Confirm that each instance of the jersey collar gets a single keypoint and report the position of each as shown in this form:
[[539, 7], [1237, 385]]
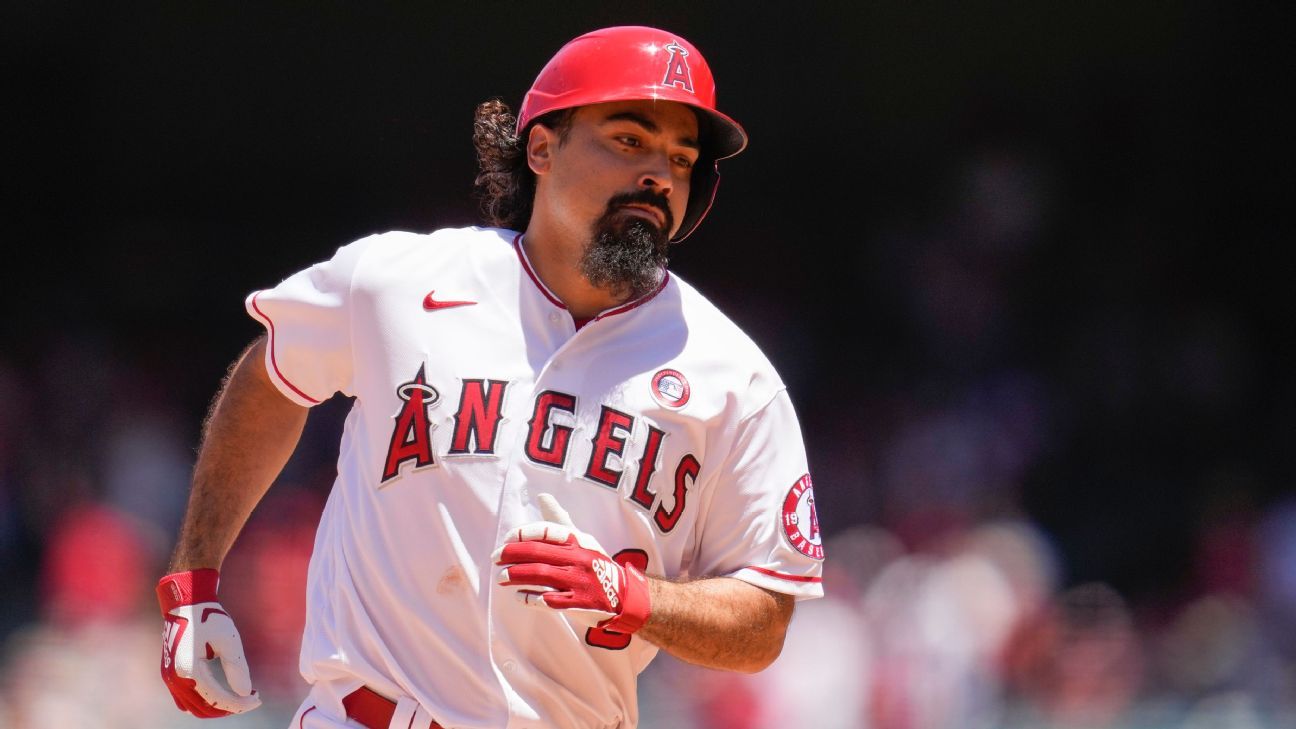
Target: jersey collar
[[553, 299]]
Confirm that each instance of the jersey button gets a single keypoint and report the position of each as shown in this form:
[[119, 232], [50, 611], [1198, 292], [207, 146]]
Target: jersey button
[[554, 316]]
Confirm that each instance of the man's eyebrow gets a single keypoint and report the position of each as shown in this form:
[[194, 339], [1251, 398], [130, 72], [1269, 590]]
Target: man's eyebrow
[[649, 125]]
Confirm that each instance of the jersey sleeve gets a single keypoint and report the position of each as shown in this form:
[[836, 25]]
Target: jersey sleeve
[[760, 524], [308, 323]]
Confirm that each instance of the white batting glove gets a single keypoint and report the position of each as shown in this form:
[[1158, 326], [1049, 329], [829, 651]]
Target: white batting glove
[[553, 564], [202, 654]]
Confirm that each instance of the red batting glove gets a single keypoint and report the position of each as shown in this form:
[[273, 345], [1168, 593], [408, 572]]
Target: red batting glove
[[202, 654], [553, 564]]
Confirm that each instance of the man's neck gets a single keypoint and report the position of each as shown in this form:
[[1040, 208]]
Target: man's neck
[[557, 264]]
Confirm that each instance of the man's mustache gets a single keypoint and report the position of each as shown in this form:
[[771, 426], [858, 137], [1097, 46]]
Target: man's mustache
[[645, 197]]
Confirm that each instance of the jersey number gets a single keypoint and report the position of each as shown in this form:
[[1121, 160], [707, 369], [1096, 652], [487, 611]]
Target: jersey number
[[610, 639]]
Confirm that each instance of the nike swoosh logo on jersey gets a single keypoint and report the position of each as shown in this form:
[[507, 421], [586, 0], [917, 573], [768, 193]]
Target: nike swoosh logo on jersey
[[431, 304]]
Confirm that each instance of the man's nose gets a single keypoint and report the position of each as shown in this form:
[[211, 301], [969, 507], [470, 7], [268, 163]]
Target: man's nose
[[657, 177]]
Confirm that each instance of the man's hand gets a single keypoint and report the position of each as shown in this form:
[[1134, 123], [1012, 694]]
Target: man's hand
[[553, 564], [202, 654]]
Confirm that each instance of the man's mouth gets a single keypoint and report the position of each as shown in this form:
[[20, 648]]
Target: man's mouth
[[649, 212]]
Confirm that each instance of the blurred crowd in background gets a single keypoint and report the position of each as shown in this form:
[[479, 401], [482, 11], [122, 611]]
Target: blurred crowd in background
[[1026, 303], [949, 606]]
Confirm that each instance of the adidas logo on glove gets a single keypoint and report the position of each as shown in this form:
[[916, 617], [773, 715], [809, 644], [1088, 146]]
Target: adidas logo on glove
[[607, 574]]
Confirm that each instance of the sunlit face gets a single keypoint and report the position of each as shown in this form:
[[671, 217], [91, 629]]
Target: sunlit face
[[625, 147], [616, 180]]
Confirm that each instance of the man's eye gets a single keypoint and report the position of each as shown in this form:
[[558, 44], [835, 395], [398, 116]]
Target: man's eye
[[628, 141], [684, 162]]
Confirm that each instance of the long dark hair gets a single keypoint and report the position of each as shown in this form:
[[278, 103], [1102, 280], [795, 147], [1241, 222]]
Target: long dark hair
[[505, 185]]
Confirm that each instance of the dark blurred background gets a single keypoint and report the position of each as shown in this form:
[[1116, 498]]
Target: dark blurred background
[[1020, 264]]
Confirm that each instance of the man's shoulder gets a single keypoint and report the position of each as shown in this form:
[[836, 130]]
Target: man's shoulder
[[700, 312], [388, 254], [719, 335], [488, 240]]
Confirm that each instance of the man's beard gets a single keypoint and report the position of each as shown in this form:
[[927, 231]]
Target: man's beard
[[627, 254]]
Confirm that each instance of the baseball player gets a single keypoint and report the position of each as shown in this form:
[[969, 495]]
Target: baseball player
[[560, 458]]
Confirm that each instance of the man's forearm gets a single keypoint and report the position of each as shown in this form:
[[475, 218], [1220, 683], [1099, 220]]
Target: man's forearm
[[718, 623], [247, 439]]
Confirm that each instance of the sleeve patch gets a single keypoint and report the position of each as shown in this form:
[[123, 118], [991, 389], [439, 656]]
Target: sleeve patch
[[800, 522]]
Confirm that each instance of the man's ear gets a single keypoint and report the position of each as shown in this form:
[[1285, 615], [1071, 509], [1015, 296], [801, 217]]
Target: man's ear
[[541, 141]]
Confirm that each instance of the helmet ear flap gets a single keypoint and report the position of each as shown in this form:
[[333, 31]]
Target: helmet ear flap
[[705, 179]]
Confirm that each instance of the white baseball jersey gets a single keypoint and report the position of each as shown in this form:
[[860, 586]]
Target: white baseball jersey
[[659, 425]]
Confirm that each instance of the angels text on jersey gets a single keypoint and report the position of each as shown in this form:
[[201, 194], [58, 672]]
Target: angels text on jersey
[[620, 442]]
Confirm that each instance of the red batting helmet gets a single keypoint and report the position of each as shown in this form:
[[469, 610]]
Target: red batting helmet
[[628, 63]]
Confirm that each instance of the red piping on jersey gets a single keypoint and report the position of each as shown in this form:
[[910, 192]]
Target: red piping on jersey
[[637, 302], [301, 721], [526, 266], [273, 362], [782, 576]]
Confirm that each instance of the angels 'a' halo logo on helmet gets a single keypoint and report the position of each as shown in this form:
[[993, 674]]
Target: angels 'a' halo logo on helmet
[[800, 522], [677, 70]]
